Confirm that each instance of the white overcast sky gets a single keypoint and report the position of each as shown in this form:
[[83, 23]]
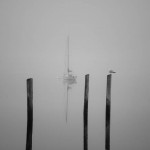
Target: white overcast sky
[[104, 35]]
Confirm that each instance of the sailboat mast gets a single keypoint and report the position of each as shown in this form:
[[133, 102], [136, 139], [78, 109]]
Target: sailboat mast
[[68, 57]]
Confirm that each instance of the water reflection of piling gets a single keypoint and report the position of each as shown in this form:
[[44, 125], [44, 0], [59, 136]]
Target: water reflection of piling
[[108, 109], [29, 114], [85, 112]]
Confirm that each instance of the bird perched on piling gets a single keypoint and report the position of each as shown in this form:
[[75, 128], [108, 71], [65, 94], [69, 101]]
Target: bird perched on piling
[[111, 71]]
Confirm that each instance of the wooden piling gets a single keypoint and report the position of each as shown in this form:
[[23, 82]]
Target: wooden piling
[[85, 112], [29, 114], [108, 111]]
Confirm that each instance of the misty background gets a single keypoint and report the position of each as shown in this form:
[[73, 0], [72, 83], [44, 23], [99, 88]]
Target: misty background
[[104, 35]]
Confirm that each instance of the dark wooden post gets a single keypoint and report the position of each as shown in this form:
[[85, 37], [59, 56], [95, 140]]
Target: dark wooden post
[[29, 114], [85, 112], [108, 108]]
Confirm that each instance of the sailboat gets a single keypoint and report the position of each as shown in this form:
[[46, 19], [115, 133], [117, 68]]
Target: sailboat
[[69, 78]]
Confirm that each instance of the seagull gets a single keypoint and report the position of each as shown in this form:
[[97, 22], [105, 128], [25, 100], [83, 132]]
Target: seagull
[[111, 71]]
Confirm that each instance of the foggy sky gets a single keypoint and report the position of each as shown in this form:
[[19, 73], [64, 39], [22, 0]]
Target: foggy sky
[[104, 35]]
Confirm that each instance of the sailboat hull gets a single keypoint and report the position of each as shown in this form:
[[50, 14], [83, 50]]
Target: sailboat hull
[[70, 79]]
